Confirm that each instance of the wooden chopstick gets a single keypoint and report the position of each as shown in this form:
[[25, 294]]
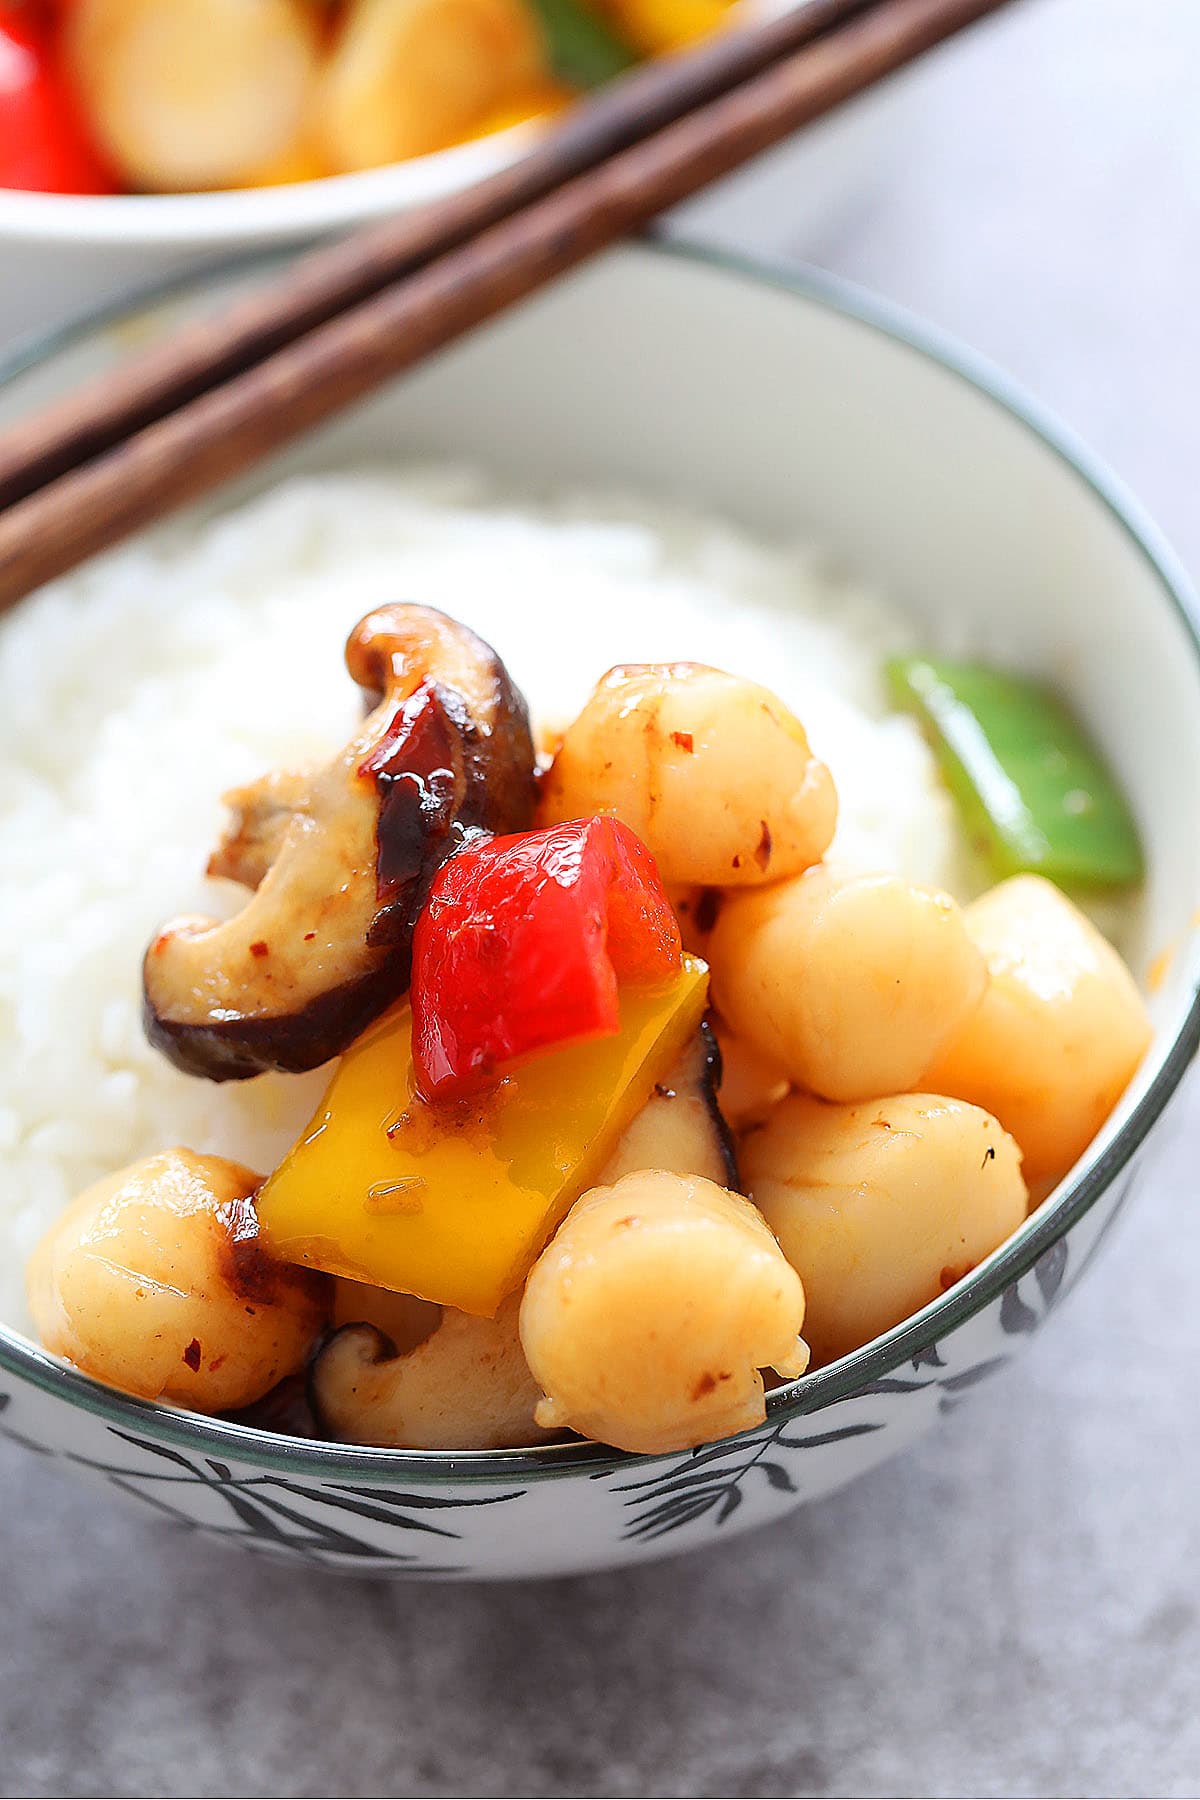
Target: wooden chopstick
[[326, 282], [258, 409]]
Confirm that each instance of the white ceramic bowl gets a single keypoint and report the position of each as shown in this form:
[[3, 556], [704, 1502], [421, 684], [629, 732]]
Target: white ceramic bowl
[[792, 404], [63, 254]]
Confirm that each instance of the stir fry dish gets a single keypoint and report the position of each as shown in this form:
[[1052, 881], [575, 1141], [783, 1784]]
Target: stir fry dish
[[111, 96], [638, 1102]]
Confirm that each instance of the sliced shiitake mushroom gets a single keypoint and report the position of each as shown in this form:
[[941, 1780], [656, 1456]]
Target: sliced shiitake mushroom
[[466, 1387], [287, 1408], [259, 816], [681, 1127], [341, 860]]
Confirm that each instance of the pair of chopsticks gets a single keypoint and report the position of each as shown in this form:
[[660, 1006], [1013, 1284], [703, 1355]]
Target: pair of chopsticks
[[206, 404]]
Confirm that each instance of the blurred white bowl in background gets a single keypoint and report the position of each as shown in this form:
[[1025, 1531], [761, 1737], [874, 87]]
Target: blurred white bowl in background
[[63, 254]]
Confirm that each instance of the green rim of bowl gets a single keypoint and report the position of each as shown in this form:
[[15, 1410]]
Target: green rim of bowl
[[845, 1378]]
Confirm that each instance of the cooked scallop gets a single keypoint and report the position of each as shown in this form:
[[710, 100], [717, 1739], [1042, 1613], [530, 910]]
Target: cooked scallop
[[193, 93], [155, 1281], [713, 772], [650, 1315], [1061, 1029], [411, 76], [851, 984], [881, 1206]]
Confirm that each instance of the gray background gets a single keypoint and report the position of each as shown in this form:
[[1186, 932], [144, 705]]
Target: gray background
[[1015, 1608]]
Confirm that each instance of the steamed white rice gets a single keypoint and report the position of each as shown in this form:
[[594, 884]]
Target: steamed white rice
[[133, 694]]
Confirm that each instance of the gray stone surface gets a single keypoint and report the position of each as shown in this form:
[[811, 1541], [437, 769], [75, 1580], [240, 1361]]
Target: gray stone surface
[[1012, 1610]]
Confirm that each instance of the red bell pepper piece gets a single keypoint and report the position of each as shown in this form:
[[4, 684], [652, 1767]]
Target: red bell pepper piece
[[44, 144], [522, 944]]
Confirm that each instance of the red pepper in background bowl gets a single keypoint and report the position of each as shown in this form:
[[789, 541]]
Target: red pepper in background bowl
[[522, 944], [44, 143]]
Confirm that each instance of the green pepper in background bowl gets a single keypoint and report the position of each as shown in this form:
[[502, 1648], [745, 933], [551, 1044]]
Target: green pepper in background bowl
[[583, 50]]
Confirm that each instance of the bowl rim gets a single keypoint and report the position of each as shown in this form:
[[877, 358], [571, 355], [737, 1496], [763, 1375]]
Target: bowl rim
[[1096, 1171], [242, 218], [238, 219]]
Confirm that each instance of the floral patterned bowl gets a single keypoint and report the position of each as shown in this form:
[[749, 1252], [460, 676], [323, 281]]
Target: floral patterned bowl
[[793, 404]]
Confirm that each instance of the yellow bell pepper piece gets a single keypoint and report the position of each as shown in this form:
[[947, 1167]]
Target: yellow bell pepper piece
[[455, 1202], [654, 27], [541, 101]]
